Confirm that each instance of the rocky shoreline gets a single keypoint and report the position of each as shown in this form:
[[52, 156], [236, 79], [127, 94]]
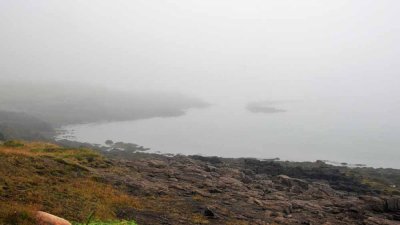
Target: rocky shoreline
[[153, 189], [250, 191]]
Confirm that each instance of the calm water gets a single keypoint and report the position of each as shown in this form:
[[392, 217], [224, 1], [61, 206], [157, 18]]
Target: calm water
[[351, 132]]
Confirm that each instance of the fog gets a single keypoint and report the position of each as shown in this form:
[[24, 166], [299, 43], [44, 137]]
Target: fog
[[216, 49], [333, 64]]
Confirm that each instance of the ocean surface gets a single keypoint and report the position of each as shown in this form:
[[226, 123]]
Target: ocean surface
[[350, 131]]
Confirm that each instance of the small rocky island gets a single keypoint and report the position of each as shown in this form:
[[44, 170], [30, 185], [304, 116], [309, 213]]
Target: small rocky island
[[264, 107]]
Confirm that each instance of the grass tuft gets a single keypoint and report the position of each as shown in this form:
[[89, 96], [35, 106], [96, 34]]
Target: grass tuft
[[108, 223]]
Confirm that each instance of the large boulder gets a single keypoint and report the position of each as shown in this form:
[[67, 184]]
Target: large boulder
[[292, 182], [374, 203], [43, 218]]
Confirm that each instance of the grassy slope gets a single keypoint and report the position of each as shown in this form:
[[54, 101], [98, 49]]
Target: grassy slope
[[39, 176], [70, 183]]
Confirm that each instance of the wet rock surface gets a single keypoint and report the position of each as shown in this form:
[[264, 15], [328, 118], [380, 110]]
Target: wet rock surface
[[211, 190]]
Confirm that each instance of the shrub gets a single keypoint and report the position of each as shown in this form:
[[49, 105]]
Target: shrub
[[13, 144]]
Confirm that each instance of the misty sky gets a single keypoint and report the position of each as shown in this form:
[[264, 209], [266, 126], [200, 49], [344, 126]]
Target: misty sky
[[235, 50]]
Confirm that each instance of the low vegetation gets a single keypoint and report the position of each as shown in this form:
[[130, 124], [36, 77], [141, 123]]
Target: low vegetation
[[108, 223], [55, 180]]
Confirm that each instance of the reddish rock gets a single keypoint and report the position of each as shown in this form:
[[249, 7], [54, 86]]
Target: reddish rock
[[43, 218]]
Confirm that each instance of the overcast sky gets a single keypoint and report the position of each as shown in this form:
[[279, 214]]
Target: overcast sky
[[216, 49]]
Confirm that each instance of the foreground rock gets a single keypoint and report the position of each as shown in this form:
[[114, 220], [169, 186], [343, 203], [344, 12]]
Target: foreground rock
[[222, 191], [43, 218]]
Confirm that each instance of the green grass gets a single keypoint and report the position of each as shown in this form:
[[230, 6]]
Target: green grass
[[109, 223]]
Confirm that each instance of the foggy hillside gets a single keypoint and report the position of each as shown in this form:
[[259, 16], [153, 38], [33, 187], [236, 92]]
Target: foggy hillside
[[62, 104], [23, 126]]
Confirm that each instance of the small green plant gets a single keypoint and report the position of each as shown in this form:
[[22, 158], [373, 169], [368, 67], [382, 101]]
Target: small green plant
[[18, 218], [90, 217], [109, 223]]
